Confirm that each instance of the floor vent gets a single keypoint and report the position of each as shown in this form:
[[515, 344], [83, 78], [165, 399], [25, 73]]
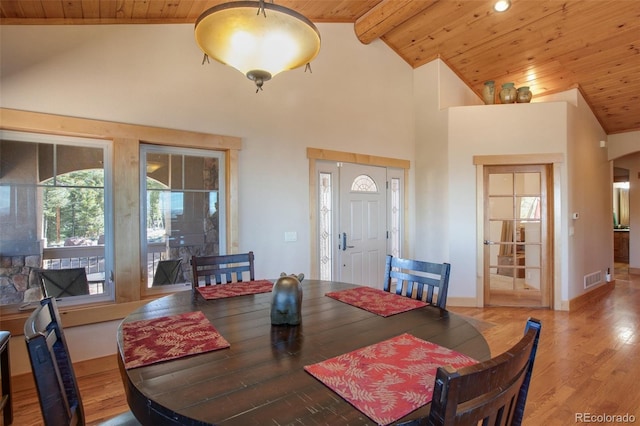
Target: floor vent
[[592, 279]]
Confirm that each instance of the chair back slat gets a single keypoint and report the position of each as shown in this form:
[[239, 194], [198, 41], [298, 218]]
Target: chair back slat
[[493, 392], [413, 277], [52, 368], [222, 269]]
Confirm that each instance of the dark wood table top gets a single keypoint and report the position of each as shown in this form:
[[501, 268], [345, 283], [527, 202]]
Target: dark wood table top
[[260, 379]]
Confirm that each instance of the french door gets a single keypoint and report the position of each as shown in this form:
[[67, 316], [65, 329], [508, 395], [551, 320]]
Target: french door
[[516, 235]]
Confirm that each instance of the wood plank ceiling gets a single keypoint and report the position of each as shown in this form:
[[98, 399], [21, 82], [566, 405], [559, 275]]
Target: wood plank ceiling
[[548, 45]]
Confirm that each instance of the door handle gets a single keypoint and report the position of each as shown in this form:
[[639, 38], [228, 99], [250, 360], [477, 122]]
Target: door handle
[[487, 242], [344, 242]]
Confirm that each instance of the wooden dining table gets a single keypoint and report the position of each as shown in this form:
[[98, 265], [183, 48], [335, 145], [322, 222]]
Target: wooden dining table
[[259, 379]]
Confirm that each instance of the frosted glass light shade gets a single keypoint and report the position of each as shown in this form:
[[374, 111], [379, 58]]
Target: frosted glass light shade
[[259, 46]]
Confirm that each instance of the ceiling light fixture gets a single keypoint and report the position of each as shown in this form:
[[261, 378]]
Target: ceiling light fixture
[[260, 47], [501, 5]]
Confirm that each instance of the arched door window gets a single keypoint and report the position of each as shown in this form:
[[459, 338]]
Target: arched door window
[[364, 183]]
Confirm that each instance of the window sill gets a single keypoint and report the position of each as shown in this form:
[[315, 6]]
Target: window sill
[[12, 319]]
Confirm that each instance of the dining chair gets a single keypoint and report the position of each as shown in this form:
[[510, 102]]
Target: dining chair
[[52, 369], [224, 269], [63, 282], [6, 401], [493, 392], [413, 276], [167, 272]]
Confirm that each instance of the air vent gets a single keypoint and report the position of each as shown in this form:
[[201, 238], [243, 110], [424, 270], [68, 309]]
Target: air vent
[[592, 279]]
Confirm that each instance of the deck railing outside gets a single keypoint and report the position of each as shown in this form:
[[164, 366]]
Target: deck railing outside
[[92, 259]]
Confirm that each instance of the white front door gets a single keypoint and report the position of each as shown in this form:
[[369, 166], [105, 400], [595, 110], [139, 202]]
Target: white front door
[[363, 224]]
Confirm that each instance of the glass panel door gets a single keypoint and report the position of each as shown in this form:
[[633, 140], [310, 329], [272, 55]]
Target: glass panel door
[[514, 235]]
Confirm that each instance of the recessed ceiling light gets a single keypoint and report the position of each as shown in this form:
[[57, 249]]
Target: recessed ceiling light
[[501, 5]]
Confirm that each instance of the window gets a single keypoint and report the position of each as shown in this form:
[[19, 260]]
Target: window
[[395, 217], [364, 183], [54, 199], [326, 225], [183, 208]]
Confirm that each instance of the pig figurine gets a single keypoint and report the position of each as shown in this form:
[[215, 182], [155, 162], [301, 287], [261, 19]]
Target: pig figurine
[[286, 303]]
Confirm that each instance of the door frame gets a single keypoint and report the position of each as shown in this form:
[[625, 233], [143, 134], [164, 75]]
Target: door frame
[[316, 154], [554, 162]]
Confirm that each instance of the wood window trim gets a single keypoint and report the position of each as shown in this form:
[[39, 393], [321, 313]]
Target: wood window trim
[[126, 143]]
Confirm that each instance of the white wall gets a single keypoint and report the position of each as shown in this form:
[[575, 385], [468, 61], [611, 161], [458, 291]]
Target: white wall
[[590, 241], [535, 128], [621, 144], [436, 88], [358, 99]]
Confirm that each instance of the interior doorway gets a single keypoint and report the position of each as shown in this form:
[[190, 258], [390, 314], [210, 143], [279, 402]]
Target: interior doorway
[[517, 249]]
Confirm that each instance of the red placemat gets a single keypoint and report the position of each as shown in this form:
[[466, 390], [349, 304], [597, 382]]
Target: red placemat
[[390, 379], [220, 291], [160, 339], [377, 301]]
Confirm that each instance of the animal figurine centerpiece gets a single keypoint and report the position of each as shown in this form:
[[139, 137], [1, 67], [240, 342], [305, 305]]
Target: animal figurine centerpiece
[[286, 303]]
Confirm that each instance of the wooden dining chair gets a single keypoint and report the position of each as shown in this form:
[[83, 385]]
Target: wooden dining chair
[[167, 272], [52, 369], [412, 277], [493, 392], [6, 401], [63, 282], [224, 269]]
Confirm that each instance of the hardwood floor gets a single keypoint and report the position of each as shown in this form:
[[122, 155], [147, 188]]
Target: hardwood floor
[[587, 361]]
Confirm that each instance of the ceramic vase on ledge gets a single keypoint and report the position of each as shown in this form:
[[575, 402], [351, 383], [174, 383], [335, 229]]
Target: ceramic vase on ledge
[[524, 95], [508, 93], [489, 92]]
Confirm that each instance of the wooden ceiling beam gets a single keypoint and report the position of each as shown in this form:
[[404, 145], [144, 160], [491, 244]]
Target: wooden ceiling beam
[[385, 16]]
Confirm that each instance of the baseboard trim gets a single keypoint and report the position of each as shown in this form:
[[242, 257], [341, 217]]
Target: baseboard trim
[[87, 367], [591, 296], [463, 302]]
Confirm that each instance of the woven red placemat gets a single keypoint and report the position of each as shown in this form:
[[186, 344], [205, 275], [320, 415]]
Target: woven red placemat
[[160, 339], [388, 380], [377, 301]]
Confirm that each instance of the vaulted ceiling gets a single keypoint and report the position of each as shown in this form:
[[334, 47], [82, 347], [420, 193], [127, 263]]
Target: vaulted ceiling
[[548, 45]]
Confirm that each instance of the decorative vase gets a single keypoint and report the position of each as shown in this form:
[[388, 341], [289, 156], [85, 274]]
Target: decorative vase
[[286, 301], [508, 93], [524, 95], [489, 92]]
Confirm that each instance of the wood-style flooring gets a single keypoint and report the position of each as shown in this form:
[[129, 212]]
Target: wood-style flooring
[[588, 362]]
